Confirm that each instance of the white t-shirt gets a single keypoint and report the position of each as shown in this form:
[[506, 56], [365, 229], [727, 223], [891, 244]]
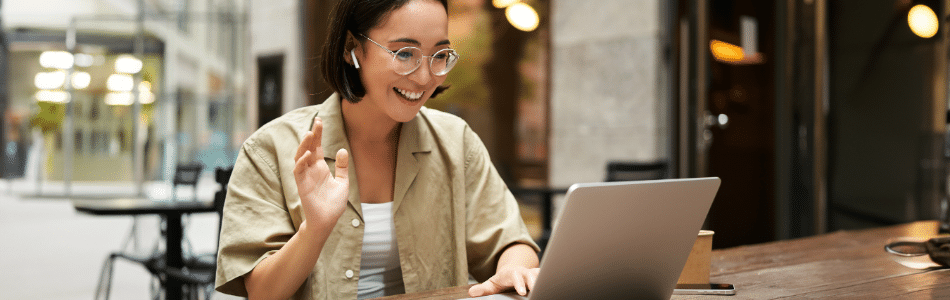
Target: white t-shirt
[[380, 273]]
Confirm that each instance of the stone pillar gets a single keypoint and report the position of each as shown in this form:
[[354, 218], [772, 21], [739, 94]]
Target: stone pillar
[[605, 89]]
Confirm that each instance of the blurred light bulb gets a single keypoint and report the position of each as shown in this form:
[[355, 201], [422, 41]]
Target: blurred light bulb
[[128, 64], [49, 80], [723, 119], [119, 83], [725, 51], [522, 16], [52, 96], [923, 21], [145, 93], [56, 59], [84, 60], [503, 3], [118, 98], [81, 80], [146, 97]]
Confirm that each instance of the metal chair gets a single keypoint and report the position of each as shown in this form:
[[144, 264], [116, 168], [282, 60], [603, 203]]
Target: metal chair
[[186, 175], [199, 271], [154, 262]]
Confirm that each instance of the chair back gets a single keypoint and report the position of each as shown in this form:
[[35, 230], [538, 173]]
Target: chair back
[[633, 171], [186, 174], [222, 175]]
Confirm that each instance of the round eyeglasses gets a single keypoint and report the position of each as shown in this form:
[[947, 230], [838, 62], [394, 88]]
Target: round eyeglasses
[[407, 59]]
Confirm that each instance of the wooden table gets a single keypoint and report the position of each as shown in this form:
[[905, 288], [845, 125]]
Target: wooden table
[[844, 264], [170, 210]]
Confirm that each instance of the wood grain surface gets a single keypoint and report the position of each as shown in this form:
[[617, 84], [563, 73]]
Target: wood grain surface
[[839, 265]]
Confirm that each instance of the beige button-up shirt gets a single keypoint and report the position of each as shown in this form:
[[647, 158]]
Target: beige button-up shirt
[[453, 214]]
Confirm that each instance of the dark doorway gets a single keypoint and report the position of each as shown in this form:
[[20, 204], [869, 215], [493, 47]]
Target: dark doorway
[[726, 109], [740, 123], [270, 79]]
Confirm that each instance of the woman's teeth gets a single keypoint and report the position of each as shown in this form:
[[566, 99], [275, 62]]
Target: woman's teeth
[[409, 95]]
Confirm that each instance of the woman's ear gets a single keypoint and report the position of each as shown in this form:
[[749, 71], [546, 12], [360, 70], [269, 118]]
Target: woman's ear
[[351, 44]]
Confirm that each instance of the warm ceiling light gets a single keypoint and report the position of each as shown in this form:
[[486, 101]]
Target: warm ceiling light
[[146, 97], [128, 64], [52, 96], [49, 80], [522, 16], [125, 98], [503, 3], [118, 98], [923, 21], [119, 83], [725, 51], [84, 60], [56, 59], [81, 80]]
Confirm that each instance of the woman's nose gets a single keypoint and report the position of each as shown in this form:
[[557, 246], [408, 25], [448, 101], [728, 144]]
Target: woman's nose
[[422, 75]]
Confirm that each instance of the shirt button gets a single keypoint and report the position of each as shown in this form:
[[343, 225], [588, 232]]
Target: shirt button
[[356, 222], [349, 273]]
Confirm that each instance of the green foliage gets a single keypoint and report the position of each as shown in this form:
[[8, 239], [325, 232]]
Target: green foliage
[[49, 116], [468, 88]]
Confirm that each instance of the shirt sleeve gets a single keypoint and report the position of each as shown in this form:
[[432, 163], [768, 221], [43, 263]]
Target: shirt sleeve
[[255, 222], [493, 219]]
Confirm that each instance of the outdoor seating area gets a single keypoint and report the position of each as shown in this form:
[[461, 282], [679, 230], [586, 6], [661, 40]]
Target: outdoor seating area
[[180, 149]]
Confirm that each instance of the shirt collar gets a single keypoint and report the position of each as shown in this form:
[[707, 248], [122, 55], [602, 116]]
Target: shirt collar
[[334, 134], [413, 137]]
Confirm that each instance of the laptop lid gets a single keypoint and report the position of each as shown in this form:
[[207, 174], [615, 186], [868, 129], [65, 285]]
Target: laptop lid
[[623, 240]]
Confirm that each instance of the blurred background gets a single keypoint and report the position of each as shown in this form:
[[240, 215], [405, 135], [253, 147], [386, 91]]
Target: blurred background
[[818, 115]]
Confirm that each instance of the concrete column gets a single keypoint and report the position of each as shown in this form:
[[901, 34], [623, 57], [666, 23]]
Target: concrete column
[[605, 95]]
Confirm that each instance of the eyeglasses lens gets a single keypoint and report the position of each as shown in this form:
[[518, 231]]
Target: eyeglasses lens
[[409, 59]]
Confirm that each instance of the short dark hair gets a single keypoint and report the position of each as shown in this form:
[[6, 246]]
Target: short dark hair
[[356, 17]]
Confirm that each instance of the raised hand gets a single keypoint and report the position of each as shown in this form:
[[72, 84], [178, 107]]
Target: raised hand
[[322, 195]]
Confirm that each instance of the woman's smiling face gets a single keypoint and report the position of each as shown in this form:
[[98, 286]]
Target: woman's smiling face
[[420, 23]]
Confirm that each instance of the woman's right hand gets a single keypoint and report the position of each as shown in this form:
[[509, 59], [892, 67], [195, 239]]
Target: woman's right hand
[[322, 195]]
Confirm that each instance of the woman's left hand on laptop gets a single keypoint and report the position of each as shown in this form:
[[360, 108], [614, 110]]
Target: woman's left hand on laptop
[[517, 268]]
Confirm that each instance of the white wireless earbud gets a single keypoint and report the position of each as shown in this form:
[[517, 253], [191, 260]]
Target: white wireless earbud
[[353, 56]]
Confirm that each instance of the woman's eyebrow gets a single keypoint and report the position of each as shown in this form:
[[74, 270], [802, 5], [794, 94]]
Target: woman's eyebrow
[[406, 40], [417, 43]]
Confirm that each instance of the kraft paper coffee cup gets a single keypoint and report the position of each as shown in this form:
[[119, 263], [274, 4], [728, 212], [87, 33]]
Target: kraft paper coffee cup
[[696, 270]]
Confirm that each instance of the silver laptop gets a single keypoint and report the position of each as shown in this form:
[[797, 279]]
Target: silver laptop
[[622, 240]]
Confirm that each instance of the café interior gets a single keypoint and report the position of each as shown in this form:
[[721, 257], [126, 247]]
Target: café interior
[[826, 121]]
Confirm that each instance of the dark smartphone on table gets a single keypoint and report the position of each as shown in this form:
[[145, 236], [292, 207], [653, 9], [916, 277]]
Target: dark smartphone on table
[[705, 289]]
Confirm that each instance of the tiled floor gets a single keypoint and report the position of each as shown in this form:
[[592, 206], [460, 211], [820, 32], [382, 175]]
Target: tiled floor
[[49, 251]]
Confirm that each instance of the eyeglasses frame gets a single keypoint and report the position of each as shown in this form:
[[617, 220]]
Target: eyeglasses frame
[[431, 57]]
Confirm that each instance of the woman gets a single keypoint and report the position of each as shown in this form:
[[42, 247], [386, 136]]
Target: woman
[[371, 194]]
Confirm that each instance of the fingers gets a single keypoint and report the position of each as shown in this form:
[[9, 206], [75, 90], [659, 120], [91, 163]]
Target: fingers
[[519, 283], [342, 164], [302, 163], [304, 146], [521, 280], [307, 142], [315, 145], [485, 288]]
